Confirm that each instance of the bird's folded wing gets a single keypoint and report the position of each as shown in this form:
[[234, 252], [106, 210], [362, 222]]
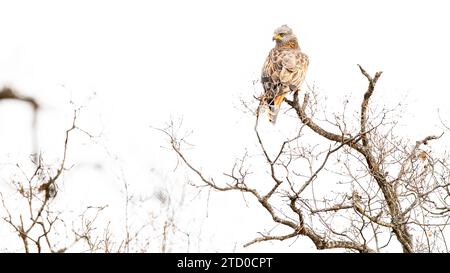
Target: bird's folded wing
[[289, 61], [294, 68]]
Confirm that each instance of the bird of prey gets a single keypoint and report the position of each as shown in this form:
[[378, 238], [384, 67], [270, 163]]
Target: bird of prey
[[283, 71]]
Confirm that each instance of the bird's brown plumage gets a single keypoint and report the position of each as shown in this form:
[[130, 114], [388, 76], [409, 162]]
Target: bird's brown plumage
[[284, 70]]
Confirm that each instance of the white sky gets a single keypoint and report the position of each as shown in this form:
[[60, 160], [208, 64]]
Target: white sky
[[150, 61]]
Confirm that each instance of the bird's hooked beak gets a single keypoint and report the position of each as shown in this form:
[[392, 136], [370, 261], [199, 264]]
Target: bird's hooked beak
[[277, 37]]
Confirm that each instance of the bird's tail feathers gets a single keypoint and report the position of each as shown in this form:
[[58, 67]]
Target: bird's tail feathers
[[274, 107], [273, 113]]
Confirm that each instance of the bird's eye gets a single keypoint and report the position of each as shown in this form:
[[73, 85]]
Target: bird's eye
[[282, 34]]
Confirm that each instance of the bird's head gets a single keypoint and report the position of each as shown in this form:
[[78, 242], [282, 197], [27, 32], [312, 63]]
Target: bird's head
[[284, 37]]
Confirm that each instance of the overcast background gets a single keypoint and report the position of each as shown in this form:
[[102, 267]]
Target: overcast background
[[135, 65]]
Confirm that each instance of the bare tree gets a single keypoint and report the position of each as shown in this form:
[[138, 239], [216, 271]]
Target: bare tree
[[36, 223], [31, 211], [345, 183]]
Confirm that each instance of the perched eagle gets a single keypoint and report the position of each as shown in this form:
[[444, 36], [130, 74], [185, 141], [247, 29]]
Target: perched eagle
[[283, 71]]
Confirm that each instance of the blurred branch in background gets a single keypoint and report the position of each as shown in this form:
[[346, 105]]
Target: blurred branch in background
[[8, 93]]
